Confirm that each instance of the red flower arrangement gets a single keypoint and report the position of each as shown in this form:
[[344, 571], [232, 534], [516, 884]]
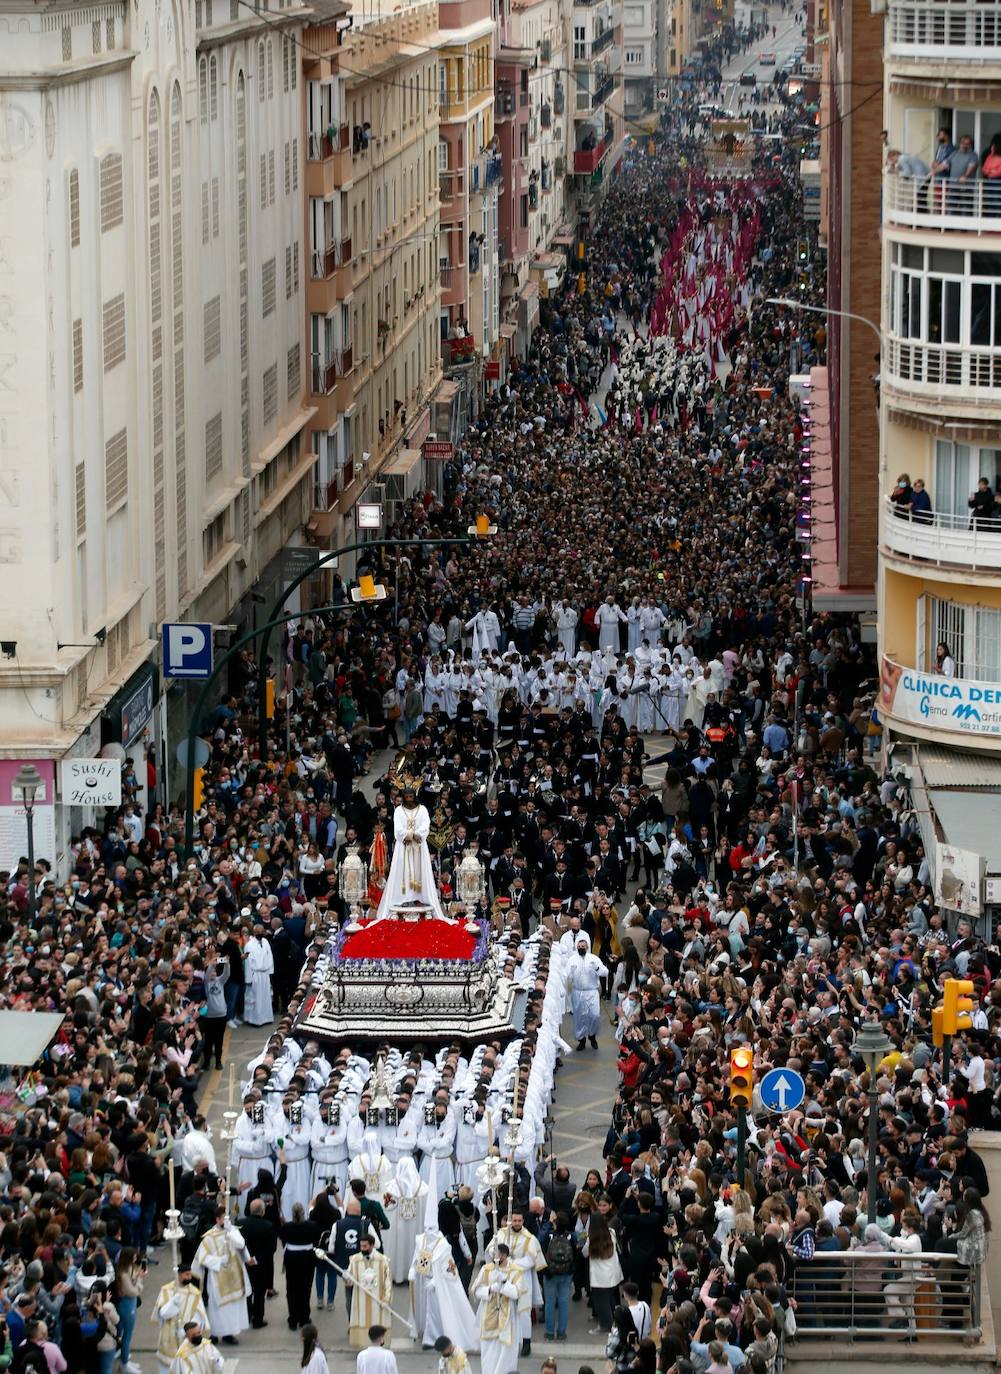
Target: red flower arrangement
[[429, 939]]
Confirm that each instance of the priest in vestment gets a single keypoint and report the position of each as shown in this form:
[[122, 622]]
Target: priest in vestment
[[178, 1302], [406, 1193], [526, 1255], [371, 1281], [258, 968], [497, 1290], [196, 1354], [219, 1265], [411, 878]]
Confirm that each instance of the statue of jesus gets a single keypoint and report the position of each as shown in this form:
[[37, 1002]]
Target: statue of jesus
[[411, 880]]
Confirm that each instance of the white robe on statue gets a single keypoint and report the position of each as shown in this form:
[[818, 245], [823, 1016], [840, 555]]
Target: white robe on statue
[[258, 968], [411, 877]]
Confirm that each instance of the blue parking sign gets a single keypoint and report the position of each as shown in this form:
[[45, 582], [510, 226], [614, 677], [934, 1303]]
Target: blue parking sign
[[187, 650]]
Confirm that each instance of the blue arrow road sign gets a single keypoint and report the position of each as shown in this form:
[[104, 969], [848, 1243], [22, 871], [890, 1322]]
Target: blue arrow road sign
[[782, 1090]]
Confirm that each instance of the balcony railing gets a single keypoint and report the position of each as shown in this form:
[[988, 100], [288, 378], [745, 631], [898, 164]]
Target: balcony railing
[[337, 139], [346, 362], [955, 371], [323, 375], [941, 29], [588, 160], [450, 274], [458, 352], [451, 183], [603, 41], [865, 1295], [603, 91], [932, 203], [323, 261], [942, 538], [325, 494]]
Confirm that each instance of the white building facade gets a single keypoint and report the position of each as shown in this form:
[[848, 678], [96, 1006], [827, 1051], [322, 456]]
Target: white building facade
[[152, 378]]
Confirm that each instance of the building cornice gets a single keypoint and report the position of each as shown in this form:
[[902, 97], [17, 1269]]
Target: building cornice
[[70, 74], [253, 23]]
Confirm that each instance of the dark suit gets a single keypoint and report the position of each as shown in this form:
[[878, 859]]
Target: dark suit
[[262, 1241]]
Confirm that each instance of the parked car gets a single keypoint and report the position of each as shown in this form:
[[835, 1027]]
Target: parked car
[[748, 79], [767, 59]]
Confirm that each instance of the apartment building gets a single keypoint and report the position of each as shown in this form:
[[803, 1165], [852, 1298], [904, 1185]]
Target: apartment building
[[940, 375], [372, 244], [470, 173], [596, 101], [844, 397], [640, 42], [153, 406], [534, 75]]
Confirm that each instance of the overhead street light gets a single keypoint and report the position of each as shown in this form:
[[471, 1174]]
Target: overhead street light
[[872, 1046]]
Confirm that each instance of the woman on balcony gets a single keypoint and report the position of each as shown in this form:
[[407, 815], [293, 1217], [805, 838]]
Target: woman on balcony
[[944, 661], [921, 510], [991, 171]]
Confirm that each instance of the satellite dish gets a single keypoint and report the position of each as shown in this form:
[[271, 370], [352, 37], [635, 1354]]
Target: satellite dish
[[113, 751], [202, 752]]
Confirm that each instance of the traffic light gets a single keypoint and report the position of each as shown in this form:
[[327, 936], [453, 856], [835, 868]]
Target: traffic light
[[269, 698], [741, 1076], [937, 1033], [199, 789], [957, 1005]]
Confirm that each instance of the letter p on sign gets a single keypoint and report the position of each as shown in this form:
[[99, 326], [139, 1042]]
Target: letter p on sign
[[187, 650]]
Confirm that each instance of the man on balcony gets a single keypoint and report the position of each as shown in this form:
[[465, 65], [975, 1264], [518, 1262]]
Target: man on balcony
[[964, 166], [983, 505], [941, 162]]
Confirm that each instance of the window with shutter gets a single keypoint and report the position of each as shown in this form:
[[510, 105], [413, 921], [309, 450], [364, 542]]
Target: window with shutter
[[294, 372], [109, 31], [267, 288], [295, 164], [295, 268], [80, 476], [203, 86], [269, 390], [74, 194], [213, 447], [78, 355], [213, 88], [112, 201], [213, 328], [271, 176], [264, 181], [261, 84], [271, 69], [215, 207], [288, 274], [205, 212], [288, 169], [116, 471], [95, 36], [67, 44], [114, 332]]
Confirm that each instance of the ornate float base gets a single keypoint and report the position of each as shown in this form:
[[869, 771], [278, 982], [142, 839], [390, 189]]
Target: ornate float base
[[410, 977]]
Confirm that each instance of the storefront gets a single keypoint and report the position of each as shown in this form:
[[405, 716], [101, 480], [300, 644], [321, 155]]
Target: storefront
[[131, 720]]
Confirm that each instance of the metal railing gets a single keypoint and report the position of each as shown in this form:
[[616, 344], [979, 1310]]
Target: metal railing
[[856, 1294], [944, 369], [943, 29], [942, 537], [932, 203], [336, 139], [323, 261]]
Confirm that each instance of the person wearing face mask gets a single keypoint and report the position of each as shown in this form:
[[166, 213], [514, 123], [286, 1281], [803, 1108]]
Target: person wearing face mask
[[196, 1354], [178, 1305]]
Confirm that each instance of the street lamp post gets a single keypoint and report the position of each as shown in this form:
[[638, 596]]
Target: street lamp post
[[793, 304], [28, 780], [872, 1046], [275, 616]]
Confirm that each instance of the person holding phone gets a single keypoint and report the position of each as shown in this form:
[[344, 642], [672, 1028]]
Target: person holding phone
[[214, 1013]]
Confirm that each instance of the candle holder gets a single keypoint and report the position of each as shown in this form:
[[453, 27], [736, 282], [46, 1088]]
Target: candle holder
[[173, 1229]]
